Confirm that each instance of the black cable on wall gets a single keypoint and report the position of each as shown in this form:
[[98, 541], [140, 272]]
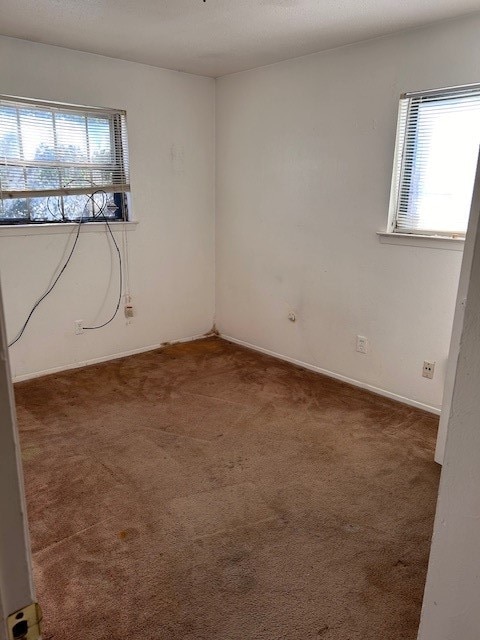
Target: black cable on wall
[[101, 213]]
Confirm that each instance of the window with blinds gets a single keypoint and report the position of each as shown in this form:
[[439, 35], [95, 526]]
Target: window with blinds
[[438, 137], [62, 163]]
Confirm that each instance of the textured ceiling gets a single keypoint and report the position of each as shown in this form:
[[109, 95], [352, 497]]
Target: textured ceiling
[[215, 37]]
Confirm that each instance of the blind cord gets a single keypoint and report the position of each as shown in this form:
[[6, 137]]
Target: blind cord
[[126, 267], [62, 270], [120, 276]]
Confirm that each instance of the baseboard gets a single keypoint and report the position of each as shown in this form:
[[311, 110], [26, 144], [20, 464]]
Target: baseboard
[[336, 376], [115, 356], [243, 343]]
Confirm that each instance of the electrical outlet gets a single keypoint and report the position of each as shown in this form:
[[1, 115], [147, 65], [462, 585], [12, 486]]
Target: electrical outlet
[[129, 312], [428, 369], [78, 324], [362, 344]]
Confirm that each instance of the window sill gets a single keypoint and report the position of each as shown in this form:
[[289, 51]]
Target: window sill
[[430, 242], [65, 228]]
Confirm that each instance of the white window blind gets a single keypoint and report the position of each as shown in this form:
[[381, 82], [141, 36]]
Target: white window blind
[[438, 139], [60, 162]]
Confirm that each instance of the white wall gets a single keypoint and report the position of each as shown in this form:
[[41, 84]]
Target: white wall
[[450, 608], [171, 251], [304, 158], [304, 155]]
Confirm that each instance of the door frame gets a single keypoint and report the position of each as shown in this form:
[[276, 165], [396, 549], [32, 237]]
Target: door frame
[[450, 604], [16, 580], [458, 320]]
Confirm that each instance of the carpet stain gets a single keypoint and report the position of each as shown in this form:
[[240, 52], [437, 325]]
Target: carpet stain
[[203, 491], [30, 453]]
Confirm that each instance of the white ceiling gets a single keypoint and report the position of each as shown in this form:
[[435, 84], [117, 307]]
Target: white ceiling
[[215, 37]]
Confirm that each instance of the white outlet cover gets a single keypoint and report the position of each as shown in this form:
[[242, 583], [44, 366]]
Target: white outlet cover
[[428, 369], [362, 344], [78, 324]]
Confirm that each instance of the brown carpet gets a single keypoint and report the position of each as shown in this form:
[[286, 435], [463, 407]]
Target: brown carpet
[[206, 492]]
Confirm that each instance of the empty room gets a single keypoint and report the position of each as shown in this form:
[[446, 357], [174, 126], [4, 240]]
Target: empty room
[[240, 320]]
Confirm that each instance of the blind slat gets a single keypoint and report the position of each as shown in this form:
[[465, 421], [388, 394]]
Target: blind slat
[[74, 191]]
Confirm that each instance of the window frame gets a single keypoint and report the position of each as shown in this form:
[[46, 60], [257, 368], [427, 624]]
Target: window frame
[[399, 158], [120, 167]]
